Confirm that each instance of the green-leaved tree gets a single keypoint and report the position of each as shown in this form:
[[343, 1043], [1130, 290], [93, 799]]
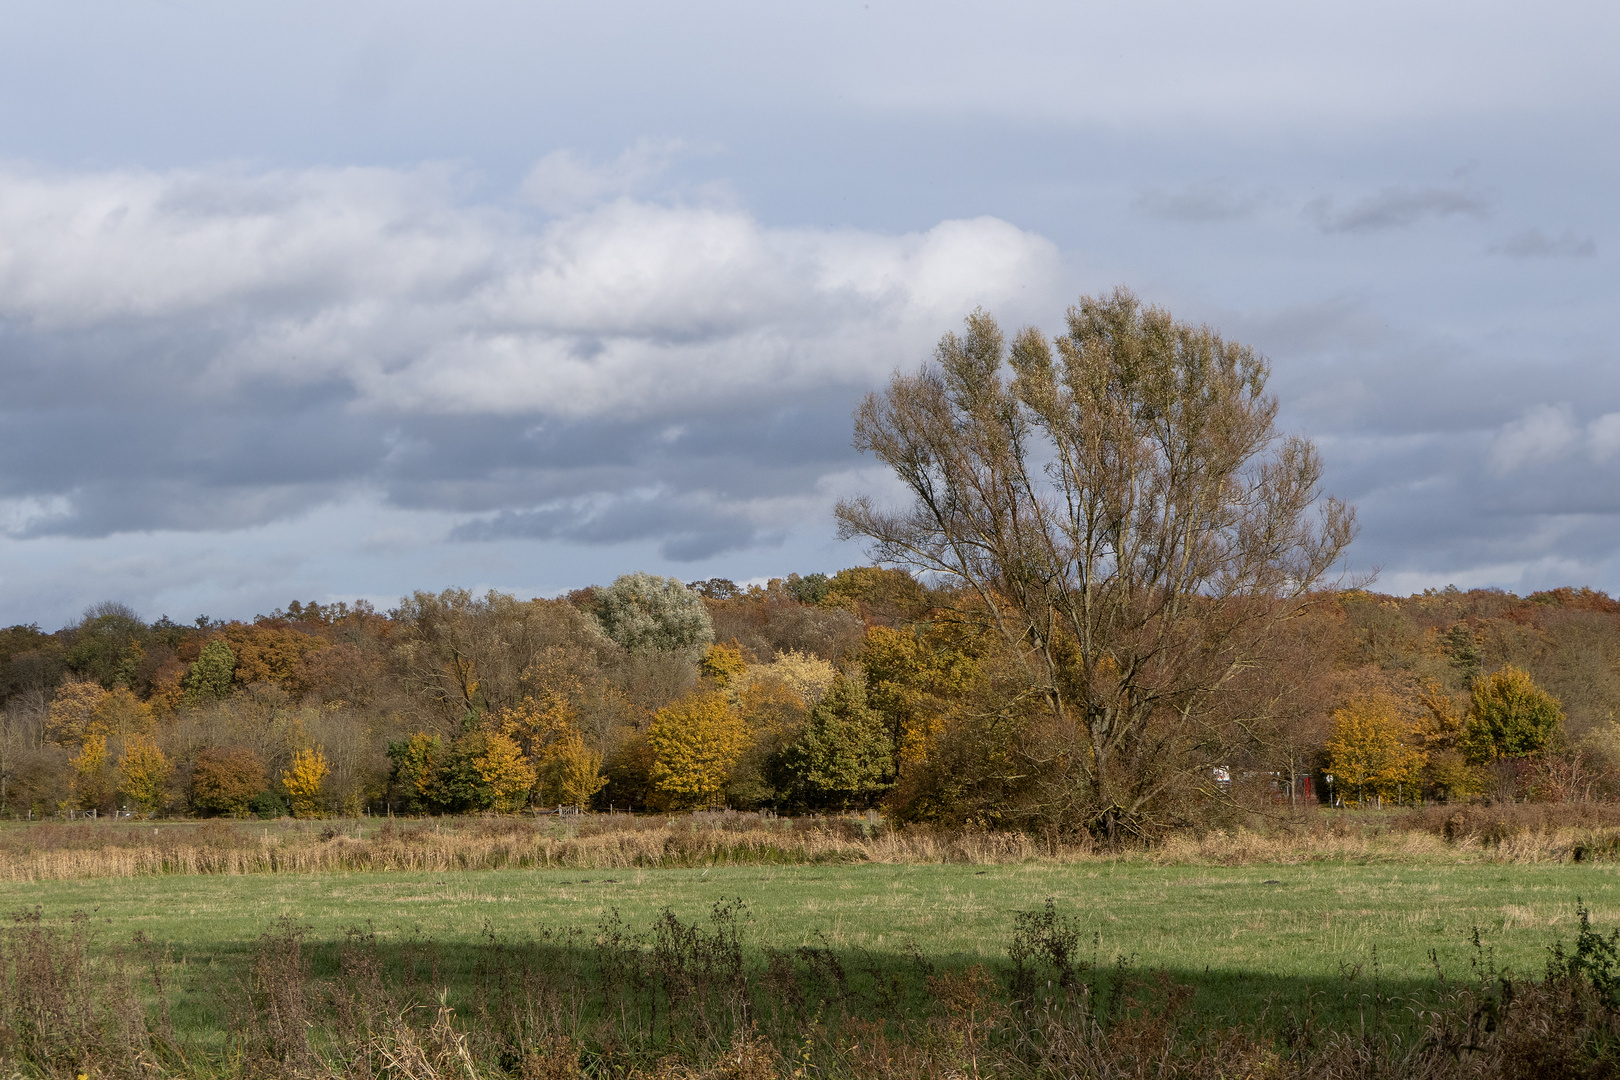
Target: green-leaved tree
[[845, 755], [645, 611], [1511, 717], [211, 673]]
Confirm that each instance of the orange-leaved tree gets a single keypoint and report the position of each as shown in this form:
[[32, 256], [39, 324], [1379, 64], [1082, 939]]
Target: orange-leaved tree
[[1367, 752], [695, 743], [225, 779]]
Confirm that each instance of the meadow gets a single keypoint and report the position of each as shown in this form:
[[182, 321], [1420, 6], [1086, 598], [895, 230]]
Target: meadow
[[515, 956]]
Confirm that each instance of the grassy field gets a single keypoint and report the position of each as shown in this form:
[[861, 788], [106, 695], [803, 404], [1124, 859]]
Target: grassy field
[[1248, 938]]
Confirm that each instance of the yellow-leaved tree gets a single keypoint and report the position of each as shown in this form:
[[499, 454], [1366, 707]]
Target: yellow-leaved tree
[[68, 719], [695, 742], [565, 770], [143, 773], [570, 772], [120, 712], [92, 786], [807, 676], [303, 780], [1367, 752], [726, 666], [1439, 734], [506, 773]]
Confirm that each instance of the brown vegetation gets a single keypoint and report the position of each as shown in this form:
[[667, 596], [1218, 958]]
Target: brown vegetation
[[1505, 834], [455, 703]]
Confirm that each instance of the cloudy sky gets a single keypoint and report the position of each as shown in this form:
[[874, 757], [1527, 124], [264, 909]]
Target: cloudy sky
[[335, 300]]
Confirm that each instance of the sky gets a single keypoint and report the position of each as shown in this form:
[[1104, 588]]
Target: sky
[[342, 300]]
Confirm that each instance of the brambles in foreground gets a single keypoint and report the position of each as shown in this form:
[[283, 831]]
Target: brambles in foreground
[[694, 998]]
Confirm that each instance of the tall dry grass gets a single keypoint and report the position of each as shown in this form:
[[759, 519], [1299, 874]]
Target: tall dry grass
[[56, 852], [60, 851]]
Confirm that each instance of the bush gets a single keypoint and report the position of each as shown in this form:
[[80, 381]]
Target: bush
[[268, 804]]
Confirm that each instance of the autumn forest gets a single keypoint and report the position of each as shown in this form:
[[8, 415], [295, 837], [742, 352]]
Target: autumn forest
[[865, 689]]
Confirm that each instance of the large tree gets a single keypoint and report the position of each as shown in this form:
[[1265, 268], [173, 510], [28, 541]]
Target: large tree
[[1132, 522]]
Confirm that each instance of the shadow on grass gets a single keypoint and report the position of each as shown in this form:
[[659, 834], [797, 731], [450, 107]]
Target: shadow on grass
[[619, 999]]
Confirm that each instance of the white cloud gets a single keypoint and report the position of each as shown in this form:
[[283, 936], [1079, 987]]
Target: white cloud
[[566, 180], [1544, 434], [22, 514], [381, 280], [1550, 433]]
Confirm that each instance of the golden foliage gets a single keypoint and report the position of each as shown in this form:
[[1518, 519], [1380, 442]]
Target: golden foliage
[[271, 654], [772, 708], [536, 722], [303, 780], [695, 742], [91, 787], [1439, 734], [1367, 754], [143, 773], [570, 772], [726, 665], [807, 676], [508, 773], [916, 678], [67, 721], [120, 712]]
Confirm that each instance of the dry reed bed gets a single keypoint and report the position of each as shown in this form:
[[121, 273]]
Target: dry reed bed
[[617, 844], [668, 845]]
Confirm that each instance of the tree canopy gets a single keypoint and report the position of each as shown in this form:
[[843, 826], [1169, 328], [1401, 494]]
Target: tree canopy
[[1130, 520]]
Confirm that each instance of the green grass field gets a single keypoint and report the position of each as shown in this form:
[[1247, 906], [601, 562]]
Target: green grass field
[[1243, 943]]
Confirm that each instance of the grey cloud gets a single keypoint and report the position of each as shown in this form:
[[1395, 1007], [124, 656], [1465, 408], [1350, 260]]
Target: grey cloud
[[1395, 208], [1199, 204], [1535, 244], [688, 526], [227, 351]]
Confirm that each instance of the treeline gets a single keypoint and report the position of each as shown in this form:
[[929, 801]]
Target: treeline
[[863, 688]]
